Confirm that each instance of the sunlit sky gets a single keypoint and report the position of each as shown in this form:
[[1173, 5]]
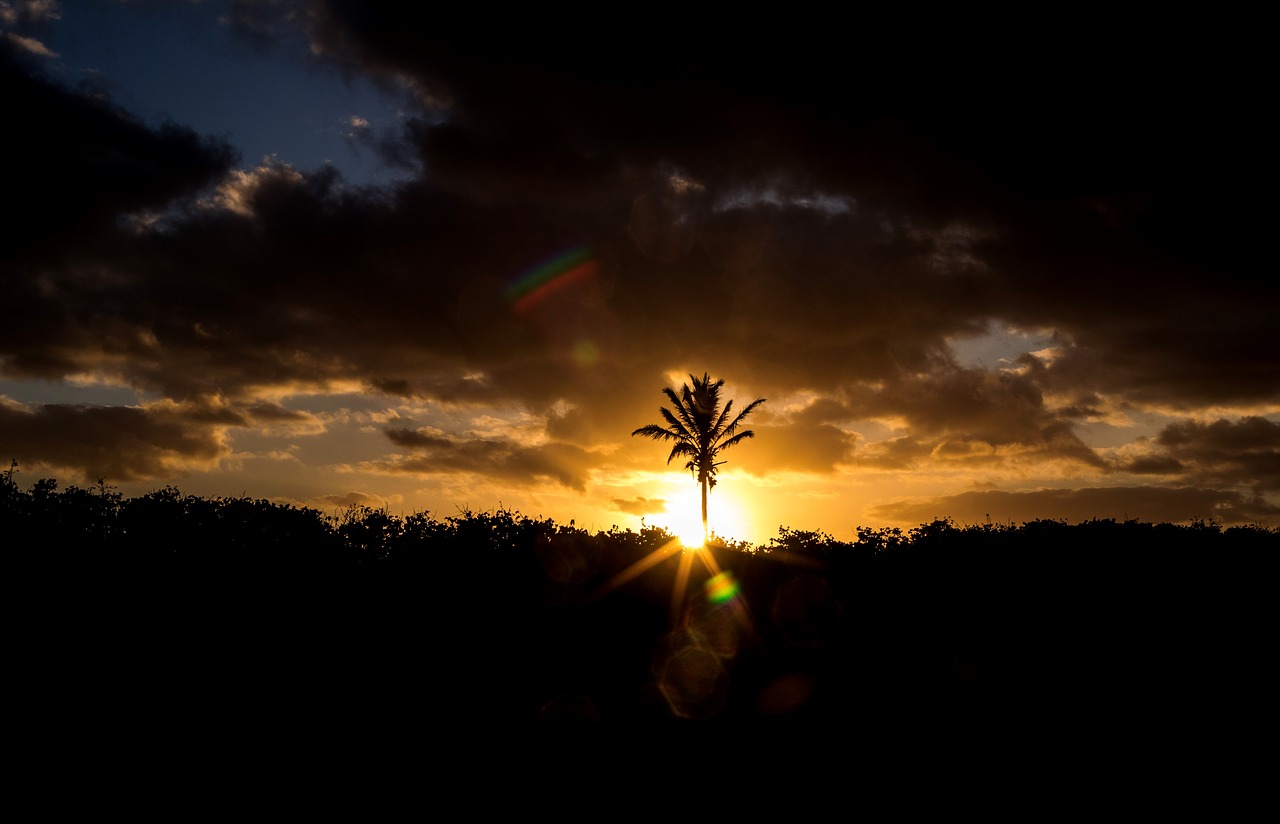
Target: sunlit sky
[[335, 253]]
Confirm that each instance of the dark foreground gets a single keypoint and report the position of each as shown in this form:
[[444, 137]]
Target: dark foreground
[[1030, 648]]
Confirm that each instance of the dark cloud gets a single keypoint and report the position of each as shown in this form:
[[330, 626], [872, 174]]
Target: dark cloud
[[1181, 352], [1244, 452], [1158, 465], [115, 443], [1152, 504], [802, 208], [901, 453], [816, 448], [638, 506], [802, 296], [274, 413], [85, 162], [512, 463], [999, 408], [29, 12], [957, 412], [349, 500]]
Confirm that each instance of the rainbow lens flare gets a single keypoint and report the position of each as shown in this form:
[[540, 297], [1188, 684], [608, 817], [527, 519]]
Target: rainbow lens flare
[[721, 588], [574, 266]]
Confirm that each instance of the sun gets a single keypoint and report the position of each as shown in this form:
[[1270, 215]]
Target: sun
[[687, 527], [683, 516]]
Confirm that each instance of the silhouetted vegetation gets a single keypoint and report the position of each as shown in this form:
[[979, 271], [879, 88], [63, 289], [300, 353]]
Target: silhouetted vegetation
[[233, 616]]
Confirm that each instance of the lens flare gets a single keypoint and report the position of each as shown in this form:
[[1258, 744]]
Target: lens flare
[[534, 286], [586, 353], [721, 588]]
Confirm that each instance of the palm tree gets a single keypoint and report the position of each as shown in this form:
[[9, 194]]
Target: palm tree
[[701, 430]]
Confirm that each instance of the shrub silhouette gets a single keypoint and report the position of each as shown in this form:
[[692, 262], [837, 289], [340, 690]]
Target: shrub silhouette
[[231, 613]]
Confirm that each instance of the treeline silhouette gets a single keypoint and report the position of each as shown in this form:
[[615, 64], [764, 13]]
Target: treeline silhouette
[[175, 617]]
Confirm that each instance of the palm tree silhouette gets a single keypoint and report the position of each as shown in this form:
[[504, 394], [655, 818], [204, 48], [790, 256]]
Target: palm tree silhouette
[[701, 430]]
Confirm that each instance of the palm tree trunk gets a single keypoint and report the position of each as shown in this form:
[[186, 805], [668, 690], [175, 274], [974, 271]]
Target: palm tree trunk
[[705, 535]]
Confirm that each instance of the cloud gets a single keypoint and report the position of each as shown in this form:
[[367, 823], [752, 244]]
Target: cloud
[[1237, 453], [821, 228], [88, 162], [353, 500], [806, 297], [638, 505], [27, 44], [1155, 465], [1151, 504], [970, 415], [115, 443], [816, 448], [29, 12], [498, 459]]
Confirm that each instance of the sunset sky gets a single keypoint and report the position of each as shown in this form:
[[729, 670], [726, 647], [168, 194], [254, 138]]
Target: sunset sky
[[329, 252]]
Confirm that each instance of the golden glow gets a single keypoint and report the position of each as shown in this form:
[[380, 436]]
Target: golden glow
[[683, 515], [684, 520]]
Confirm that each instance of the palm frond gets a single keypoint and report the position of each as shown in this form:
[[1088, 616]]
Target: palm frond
[[653, 431], [719, 431], [681, 449], [684, 409], [699, 428], [736, 439], [742, 415], [676, 427]]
